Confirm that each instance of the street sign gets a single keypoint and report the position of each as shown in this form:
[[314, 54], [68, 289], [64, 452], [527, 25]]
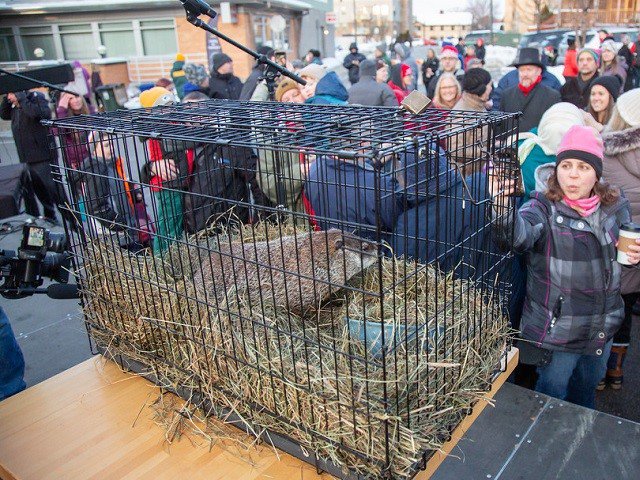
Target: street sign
[[330, 18]]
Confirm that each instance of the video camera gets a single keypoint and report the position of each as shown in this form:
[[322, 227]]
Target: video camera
[[41, 254]]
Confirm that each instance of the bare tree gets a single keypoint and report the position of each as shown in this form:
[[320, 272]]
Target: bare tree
[[538, 5], [480, 14], [582, 20]]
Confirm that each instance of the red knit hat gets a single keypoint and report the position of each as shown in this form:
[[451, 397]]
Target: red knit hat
[[405, 70], [582, 143], [449, 51]]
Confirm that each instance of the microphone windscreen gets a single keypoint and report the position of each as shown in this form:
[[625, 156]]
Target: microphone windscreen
[[63, 291]]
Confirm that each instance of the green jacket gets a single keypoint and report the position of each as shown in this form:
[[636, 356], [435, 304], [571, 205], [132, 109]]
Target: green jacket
[[530, 160], [178, 78]]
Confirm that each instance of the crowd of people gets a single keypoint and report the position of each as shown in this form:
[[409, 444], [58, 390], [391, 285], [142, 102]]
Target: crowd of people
[[579, 155]]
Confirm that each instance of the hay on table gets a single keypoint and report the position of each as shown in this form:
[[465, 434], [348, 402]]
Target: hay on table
[[312, 379]]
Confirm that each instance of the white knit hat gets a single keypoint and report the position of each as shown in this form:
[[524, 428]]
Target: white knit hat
[[555, 122], [629, 107], [609, 45], [313, 71]]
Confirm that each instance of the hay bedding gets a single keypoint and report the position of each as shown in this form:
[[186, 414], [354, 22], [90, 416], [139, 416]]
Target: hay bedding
[[307, 378]]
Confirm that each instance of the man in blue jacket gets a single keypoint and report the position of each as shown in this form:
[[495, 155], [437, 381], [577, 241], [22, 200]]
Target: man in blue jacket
[[353, 195], [443, 215]]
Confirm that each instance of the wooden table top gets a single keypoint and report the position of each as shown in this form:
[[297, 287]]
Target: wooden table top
[[93, 422]]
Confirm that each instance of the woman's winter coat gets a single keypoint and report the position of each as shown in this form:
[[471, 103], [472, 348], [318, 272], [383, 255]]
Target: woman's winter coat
[[622, 169], [573, 300]]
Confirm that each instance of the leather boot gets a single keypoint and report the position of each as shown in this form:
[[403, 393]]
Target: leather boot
[[614, 367]]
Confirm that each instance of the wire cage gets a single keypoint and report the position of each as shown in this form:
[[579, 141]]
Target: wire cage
[[329, 275]]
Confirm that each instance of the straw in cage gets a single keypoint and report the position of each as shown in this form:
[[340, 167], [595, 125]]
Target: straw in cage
[[313, 381]]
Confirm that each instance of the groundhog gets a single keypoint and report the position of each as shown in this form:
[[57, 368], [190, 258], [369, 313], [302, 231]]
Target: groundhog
[[297, 272]]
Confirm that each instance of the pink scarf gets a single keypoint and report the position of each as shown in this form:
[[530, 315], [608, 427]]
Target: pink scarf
[[584, 206]]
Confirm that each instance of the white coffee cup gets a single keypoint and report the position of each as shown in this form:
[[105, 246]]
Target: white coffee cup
[[629, 233]]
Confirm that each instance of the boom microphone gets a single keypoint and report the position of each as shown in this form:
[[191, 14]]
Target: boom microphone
[[62, 291], [198, 7]]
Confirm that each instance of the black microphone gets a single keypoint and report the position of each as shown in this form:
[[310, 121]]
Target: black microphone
[[198, 7], [63, 291]]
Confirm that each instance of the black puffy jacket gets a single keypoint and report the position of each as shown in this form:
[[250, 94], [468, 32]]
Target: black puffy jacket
[[33, 143], [224, 87]]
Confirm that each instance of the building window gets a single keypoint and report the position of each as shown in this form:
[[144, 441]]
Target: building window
[[8, 49], [77, 42], [118, 38], [158, 37], [38, 37], [442, 28], [265, 36]]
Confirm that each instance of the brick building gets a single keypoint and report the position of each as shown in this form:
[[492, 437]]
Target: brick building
[[147, 32], [520, 15], [600, 12]]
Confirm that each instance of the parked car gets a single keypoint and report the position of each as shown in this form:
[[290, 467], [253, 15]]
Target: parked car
[[473, 36], [593, 41], [535, 39]]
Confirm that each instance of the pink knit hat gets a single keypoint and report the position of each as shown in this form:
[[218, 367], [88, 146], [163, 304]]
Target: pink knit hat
[[582, 143], [449, 51]]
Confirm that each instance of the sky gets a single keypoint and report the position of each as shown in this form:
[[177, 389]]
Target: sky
[[436, 5]]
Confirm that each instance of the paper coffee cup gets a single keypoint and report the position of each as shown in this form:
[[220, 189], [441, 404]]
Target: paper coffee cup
[[629, 233]]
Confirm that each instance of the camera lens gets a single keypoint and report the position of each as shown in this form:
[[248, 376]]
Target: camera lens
[[56, 266], [57, 242]]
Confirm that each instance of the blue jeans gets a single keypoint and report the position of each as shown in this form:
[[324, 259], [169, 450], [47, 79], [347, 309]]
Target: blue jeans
[[11, 360], [573, 377]]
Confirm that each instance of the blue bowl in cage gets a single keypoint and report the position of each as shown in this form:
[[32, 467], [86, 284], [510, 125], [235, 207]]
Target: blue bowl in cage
[[395, 335]]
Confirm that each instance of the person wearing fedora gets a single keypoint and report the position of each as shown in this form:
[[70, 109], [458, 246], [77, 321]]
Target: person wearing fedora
[[511, 79], [530, 96], [577, 89]]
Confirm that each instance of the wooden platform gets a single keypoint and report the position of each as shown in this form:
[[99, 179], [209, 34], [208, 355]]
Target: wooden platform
[[90, 422]]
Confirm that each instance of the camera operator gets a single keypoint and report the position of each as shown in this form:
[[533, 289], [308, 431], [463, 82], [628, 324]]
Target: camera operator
[[11, 360], [41, 254], [35, 148]]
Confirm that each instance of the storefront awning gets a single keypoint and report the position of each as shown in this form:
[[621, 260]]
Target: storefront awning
[[54, 6], [298, 5], [78, 6]]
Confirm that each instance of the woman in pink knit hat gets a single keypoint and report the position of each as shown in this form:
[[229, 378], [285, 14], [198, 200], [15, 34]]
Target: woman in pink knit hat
[[569, 232]]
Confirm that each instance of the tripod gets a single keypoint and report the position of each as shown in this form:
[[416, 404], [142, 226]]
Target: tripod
[[195, 8]]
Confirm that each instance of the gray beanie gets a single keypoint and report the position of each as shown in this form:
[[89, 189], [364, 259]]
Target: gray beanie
[[368, 68]]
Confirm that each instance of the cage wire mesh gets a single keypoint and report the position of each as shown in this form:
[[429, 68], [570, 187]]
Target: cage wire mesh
[[328, 274]]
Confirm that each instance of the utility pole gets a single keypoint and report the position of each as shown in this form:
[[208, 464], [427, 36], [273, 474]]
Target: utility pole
[[355, 23], [491, 22]]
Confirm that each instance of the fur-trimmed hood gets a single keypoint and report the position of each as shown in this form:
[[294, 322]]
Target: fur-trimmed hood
[[616, 143]]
